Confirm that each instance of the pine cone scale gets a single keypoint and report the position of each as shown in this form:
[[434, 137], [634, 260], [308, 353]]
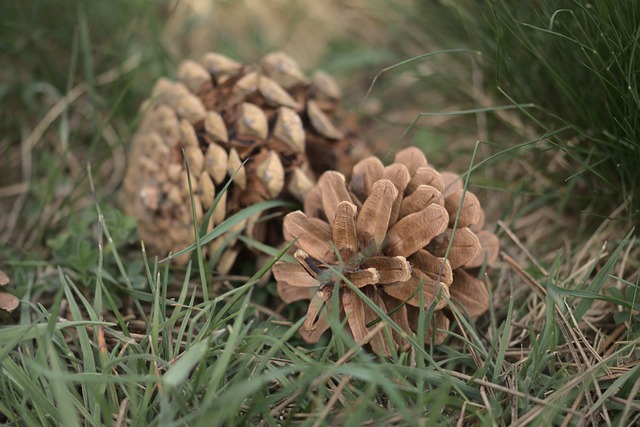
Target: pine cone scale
[[355, 312], [344, 230], [373, 219], [391, 269], [489, 249], [465, 246], [470, 293], [469, 212], [313, 235], [412, 158], [422, 197], [426, 176], [333, 191], [382, 342], [416, 230], [365, 174], [409, 290], [436, 268], [361, 277]]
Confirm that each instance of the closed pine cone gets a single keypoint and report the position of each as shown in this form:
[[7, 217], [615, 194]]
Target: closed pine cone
[[222, 113], [386, 232]]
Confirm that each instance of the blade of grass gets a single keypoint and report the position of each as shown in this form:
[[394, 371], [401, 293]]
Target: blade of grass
[[233, 220], [600, 279], [64, 399]]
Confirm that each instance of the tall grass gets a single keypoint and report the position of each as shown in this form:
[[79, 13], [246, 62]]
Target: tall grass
[[160, 355], [578, 63]]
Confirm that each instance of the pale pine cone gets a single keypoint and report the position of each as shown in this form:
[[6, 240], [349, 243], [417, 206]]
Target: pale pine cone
[[221, 113]]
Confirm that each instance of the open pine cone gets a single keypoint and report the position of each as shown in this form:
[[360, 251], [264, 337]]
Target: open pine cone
[[222, 113], [386, 232]]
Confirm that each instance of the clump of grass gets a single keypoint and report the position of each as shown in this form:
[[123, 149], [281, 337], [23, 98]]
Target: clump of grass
[[572, 68], [166, 353], [71, 90], [579, 62]]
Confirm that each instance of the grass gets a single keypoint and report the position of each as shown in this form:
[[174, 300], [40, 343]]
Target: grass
[[573, 67], [106, 335]]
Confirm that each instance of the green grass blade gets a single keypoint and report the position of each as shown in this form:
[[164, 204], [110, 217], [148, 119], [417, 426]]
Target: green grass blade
[[600, 279]]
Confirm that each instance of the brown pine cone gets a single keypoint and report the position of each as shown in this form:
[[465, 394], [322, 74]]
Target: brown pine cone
[[386, 232], [223, 113]]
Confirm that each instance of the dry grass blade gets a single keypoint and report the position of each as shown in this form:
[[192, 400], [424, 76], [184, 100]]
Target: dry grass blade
[[337, 395], [542, 402], [567, 329], [122, 410], [107, 77], [522, 247], [341, 361]]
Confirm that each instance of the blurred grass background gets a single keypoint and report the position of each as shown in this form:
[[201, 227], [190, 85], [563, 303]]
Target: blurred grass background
[[549, 88]]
